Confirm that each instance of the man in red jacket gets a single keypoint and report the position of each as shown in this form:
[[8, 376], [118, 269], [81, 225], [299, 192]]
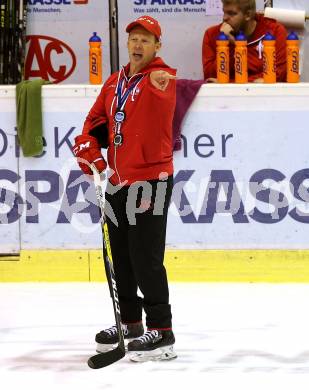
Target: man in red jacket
[[240, 15], [134, 112]]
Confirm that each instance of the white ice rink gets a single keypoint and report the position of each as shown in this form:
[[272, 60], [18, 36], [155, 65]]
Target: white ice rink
[[228, 336]]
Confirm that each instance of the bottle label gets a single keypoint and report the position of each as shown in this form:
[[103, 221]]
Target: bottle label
[[294, 64], [274, 62], [238, 63], [94, 64], [265, 64], [269, 64], [223, 62]]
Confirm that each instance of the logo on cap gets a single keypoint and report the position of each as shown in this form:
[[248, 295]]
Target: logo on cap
[[146, 19], [148, 23]]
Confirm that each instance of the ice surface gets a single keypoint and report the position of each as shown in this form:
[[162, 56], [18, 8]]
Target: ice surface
[[228, 336]]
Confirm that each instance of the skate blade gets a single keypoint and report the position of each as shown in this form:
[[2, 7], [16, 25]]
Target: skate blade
[[101, 348], [159, 354]]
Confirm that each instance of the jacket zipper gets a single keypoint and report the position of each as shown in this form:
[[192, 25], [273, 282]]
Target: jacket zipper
[[115, 146], [115, 164]]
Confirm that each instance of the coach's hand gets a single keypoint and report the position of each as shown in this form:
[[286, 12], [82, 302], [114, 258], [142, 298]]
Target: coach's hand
[[161, 78], [88, 150]]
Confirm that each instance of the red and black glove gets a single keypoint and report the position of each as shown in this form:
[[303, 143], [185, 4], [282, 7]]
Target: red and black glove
[[88, 148]]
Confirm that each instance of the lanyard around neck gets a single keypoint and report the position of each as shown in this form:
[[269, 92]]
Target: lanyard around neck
[[122, 97]]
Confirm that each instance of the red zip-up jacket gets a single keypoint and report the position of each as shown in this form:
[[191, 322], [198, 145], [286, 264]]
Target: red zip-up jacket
[[146, 150], [255, 62]]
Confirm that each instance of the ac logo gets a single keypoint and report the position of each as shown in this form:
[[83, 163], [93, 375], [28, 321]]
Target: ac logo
[[44, 56]]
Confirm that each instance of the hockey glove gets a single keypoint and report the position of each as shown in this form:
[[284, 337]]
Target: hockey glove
[[87, 148]]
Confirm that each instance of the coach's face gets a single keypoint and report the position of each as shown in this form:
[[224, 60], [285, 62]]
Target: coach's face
[[142, 47]]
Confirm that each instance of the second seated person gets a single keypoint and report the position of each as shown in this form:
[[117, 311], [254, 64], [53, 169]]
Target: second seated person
[[241, 15]]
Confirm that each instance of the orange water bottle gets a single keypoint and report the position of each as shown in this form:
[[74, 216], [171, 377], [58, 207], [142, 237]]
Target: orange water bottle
[[241, 59], [223, 58], [269, 58], [95, 59], [292, 58]]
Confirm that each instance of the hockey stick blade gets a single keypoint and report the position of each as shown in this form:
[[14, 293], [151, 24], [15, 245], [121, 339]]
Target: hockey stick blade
[[105, 359]]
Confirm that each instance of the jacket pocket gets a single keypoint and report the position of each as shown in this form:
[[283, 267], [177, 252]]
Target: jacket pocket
[[152, 147]]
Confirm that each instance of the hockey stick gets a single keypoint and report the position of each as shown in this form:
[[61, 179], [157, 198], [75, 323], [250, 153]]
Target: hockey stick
[[106, 358]]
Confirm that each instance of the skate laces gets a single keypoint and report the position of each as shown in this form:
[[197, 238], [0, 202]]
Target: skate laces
[[148, 336], [111, 331]]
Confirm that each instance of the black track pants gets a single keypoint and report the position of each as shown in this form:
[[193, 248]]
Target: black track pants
[[138, 245]]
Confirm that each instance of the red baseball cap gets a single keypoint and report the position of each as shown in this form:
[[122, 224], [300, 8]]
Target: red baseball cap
[[148, 23]]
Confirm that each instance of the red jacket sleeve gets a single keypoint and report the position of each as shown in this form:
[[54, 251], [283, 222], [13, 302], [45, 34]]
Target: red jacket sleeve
[[209, 55], [280, 34], [169, 93]]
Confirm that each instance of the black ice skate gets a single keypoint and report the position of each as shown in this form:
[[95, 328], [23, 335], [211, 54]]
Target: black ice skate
[[107, 339], [153, 345]]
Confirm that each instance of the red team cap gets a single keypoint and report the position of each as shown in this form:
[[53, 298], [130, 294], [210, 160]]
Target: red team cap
[[148, 23]]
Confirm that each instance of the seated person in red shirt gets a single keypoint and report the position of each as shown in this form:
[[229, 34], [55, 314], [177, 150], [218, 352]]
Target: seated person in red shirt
[[240, 15]]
